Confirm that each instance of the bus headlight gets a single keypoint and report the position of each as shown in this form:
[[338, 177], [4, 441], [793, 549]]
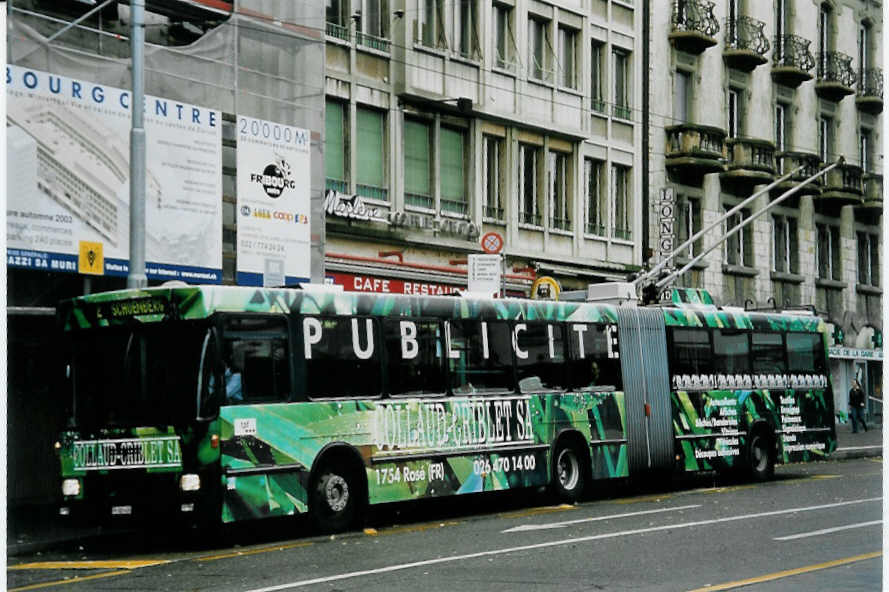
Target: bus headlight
[[189, 482], [71, 487]]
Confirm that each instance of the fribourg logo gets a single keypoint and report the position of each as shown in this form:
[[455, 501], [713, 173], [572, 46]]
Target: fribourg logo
[[275, 178]]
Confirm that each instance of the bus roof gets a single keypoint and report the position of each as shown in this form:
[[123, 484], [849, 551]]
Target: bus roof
[[195, 302]]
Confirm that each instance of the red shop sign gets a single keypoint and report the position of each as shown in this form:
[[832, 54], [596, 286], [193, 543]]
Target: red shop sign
[[369, 283]]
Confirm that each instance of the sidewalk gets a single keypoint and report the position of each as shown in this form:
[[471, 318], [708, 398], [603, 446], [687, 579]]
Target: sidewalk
[[34, 528]]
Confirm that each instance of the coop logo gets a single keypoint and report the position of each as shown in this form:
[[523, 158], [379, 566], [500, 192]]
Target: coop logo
[[275, 178]]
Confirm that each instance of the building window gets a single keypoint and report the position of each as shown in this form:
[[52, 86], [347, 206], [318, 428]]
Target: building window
[[466, 28], [539, 50], [734, 113], [785, 249], [568, 52], [739, 246], [371, 147], [864, 50], [597, 94], [868, 259], [418, 164], [620, 201], [453, 178], [493, 200], [529, 210], [560, 203], [431, 23], [688, 213], [864, 150], [596, 214], [335, 143], [681, 96], [825, 138], [374, 24], [782, 132], [335, 14], [827, 252], [825, 39], [504, 37], [621, 84]]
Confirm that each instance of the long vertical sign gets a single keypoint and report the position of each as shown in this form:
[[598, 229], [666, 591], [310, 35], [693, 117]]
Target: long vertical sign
[[665, 216], [274, 179], [67, 189]]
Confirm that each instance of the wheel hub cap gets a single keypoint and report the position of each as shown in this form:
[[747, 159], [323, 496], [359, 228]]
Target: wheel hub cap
[[337, 493]]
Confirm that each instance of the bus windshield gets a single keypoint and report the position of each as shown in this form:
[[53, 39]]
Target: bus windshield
[[142, 376]]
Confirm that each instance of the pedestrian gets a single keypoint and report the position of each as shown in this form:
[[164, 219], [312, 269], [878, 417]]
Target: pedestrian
[[856, 406]]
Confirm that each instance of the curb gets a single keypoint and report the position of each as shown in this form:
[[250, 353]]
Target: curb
[[852, 452]]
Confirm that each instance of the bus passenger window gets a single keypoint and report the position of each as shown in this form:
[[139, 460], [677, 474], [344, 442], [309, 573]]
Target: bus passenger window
[[340, 357], [690, 351], [805, 353], [768, 353], [540, 356], [479, 356], [731, 352], [414, 357], [595, 357], [256, 363]]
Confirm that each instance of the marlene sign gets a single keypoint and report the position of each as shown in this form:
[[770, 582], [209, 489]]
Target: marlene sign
[[274, 178], [137, 453], [68, 200]]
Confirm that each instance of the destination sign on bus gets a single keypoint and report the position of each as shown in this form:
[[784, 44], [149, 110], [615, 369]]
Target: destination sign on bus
[[129, 453]]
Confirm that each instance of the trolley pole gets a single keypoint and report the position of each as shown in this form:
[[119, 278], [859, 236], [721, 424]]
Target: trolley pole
[[136, 277]]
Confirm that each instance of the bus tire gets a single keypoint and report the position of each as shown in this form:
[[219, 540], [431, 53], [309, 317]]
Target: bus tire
[[760, 455], [335, 498], [568, 473]]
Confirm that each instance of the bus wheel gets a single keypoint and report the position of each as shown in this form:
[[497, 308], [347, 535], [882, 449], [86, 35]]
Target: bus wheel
[[334, 499], [567, 473], [760, 456]]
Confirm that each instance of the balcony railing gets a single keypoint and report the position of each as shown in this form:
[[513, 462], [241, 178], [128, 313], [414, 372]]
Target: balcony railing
[[694, 25], [336, 185], [621, 111], [597, 105], [843, 185], [338, 31], [372, 192], [371, 41], [561, 223], [870, 90], [529, 218], [792, 60], [745, 43], [836, 78], [873, 194], [811, 163], [493, 213], [623, 233], [454, 206], [749, 157], [695, 148], [418, 200], [597, 229]]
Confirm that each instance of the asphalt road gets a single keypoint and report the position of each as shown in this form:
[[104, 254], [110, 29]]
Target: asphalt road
[[815, 527]]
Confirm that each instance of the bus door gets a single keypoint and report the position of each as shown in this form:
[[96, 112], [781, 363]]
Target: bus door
[[647, 389]]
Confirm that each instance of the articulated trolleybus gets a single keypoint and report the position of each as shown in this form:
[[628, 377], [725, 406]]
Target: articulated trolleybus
[[217, 404]]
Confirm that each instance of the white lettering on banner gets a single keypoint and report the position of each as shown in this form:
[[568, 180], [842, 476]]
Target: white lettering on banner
[[368, 284], [368, 351], [519, 352], [467, 423], [133, 453], [311, 335], [580, 329], [409, 346]]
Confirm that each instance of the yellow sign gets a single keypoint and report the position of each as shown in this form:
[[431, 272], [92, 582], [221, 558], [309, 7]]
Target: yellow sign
[[91, 259], [545, 288]]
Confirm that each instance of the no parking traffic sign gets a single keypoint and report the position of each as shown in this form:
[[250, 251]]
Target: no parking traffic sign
[[492, 243]]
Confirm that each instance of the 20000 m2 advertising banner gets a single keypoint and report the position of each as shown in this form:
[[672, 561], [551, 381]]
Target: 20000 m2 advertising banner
[[273, 203], [68, 187]]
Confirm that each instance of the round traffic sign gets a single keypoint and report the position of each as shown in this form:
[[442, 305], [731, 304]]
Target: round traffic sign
[[492, 243]]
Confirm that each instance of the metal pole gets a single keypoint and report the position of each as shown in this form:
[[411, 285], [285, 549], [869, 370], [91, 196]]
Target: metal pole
[[714, 224], [754, 216], [136, 277]]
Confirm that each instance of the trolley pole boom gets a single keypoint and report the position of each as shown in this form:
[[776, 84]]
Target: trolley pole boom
[[753, 217], [651, 273]]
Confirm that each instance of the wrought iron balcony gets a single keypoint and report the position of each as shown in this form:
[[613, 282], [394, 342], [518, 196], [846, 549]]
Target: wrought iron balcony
[[750, 161], [836, 78], [843, 186], [870, 91], [695, 149], [792, 60], [745, 43], [788, 161], [694, 25]]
